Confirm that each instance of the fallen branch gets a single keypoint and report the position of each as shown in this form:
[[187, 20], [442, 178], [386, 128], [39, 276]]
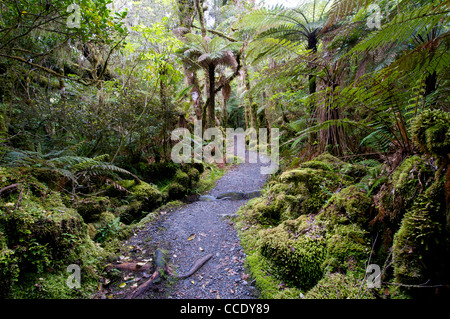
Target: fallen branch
[[160, 265], [8, 187], [197, 265], [135, 267], [144, 287]]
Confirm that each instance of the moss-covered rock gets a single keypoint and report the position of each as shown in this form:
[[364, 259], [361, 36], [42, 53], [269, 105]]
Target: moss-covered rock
[[147, 196], [131, 212], [347, 249], [43, 238], [422, 240], [194, 177], [157, 171], [309, 188], [146, 193], [349, 205], [268, 286], [339, 286], [182, 178], [409, 180], [176, 191], [296, 249], [431, 132], [91, 208]]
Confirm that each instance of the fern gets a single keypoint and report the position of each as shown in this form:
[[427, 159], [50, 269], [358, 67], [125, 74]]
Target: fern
[[71, 167]]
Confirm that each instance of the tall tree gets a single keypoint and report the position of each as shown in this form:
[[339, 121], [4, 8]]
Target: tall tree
[[206, 54]]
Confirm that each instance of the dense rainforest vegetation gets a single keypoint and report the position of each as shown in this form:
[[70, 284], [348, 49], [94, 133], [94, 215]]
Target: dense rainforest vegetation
[[90, 92]]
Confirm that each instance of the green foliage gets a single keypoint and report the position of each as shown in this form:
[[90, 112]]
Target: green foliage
[[431, 132], [110, 230]]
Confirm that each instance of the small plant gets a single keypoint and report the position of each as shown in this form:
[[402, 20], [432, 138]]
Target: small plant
[[110, 230]]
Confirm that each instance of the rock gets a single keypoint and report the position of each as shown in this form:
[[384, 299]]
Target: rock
[[252, 194], [232, 195], [206, 198]]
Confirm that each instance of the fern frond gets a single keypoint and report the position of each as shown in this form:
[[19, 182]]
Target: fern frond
[[406, 24]]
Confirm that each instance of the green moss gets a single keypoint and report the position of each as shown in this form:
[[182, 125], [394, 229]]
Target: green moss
[[131, 212], [268, 286], [53, 286], [9, 268], [310, 188], [181, 178], [347, 249], [176, 191], [410, 179], [42, 241], [405, 178], [421, 240], [330, 159], [91, 208], [317, 164], [146, 193], [431, 132], [348, 205], [339, 286], [194, 177], [296, 249]]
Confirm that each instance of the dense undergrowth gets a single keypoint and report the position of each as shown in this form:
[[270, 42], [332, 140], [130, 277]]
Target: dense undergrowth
[[44, 227], [320, 224], [361, 105]]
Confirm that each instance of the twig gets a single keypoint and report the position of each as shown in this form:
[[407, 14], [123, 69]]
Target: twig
[[8, 187], [19, 199], [413, 286]]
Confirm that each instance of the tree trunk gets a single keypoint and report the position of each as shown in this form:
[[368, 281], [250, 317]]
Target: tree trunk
[[211, 118], [249, 117]]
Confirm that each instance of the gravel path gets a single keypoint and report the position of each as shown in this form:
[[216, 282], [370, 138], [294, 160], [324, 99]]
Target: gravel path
[[198, 229]]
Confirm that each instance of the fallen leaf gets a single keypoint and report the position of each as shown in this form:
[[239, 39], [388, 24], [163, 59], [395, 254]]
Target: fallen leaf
[[201, 249], [193, 282], [192, 236], [122, 285]]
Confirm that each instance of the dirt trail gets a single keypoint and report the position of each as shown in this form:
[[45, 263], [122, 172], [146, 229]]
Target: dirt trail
[[198, 229]]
